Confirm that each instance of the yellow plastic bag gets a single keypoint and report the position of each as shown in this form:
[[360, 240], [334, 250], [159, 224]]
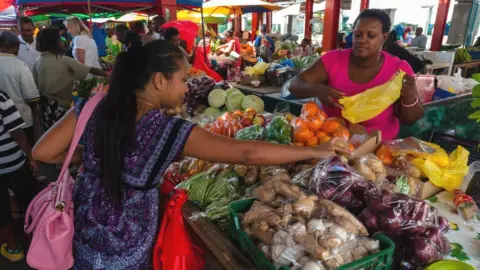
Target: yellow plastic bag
[[258, 69], [372, 102], [449, 176]]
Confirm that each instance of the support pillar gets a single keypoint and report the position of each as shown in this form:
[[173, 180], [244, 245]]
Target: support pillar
[[237, 24], [472, 23], [439, 27], [308, 18], [364, 4], [167, 9], [330, 25], [255, 18], [269, 20]]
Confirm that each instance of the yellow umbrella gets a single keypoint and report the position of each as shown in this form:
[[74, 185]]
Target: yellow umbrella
[[238, 6], [196, 17]]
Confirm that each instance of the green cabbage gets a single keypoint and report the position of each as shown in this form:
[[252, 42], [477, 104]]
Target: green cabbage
[[212, 112], [254, 102], [231, 91], [216, 98], [234, 101]]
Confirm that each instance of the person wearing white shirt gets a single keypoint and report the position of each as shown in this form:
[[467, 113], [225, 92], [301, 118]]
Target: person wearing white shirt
[[84, 47], [28, 52], [17, 81]]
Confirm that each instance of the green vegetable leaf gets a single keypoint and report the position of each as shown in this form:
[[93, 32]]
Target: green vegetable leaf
[[475, 103], [476, 91], [432, 199], [459, 254], [475, 115], [477, 237]]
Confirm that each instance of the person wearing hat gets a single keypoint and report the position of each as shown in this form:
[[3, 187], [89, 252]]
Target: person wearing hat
[[17, 81]]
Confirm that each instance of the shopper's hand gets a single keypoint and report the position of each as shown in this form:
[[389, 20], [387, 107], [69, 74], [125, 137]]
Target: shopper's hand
[[331, 148], [409, 89], [33, 166], [328, 97]]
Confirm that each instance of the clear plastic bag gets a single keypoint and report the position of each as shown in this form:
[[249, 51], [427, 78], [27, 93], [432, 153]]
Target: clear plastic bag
[[333, 180], [250, 133], [371, 168], [370, 103], [414, 225]]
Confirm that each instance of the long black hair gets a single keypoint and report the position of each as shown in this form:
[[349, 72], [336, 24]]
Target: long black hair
[[115, 126]]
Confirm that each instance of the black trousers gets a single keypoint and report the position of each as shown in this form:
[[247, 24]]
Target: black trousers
[[25, 187]]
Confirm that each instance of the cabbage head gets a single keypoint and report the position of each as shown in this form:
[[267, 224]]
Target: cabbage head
[[231, 91], [234, 101], [254, 102], [217, 98], [212, 112]]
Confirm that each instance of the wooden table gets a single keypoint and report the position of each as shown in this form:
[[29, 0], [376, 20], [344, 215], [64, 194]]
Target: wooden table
[[262, 89], [466, 65], [220, 253]]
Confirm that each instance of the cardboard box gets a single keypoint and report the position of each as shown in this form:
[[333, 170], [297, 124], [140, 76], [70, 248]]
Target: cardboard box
[[247, 79], [427, 189]]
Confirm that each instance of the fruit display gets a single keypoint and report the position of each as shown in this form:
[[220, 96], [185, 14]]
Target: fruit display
[[198, 90], [313, 127], [231, 100], [229, 124]]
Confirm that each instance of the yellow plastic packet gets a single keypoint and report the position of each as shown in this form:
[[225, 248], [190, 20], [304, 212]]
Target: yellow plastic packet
[[373, 101], [449, 176], [258, 69]]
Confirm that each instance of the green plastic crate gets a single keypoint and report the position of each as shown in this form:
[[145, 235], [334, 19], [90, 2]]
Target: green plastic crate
[[381, 260]]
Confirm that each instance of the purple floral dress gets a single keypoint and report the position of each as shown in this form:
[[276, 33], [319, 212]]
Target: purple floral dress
[[122, 236]]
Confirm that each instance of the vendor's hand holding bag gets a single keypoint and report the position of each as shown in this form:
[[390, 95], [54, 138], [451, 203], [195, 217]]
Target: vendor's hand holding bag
[[50, 215]]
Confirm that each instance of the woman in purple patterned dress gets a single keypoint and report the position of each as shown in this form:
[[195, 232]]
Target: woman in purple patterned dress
[[128, 144]]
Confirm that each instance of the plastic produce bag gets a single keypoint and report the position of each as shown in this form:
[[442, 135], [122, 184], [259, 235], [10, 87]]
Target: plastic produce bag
[[258, 69], [279, 131], [372, 102], [447, 173], [174, 248], [425, 87], [250, 133], [370, 167], [333, 180]]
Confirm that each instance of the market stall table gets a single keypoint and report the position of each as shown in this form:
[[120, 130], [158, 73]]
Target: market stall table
[[257, 90], [466, 66], [464, 240]]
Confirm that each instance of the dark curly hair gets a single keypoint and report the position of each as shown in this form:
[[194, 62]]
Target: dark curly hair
[[378, 14], [48, 40]]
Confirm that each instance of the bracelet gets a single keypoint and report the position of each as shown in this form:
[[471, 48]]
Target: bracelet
[[411, 105]]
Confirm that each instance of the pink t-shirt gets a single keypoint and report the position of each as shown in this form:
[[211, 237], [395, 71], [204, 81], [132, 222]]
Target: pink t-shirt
[[336, 65]]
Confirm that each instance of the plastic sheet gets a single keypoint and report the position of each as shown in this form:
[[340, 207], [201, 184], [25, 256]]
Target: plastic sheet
[[279, 131], [370, 103]]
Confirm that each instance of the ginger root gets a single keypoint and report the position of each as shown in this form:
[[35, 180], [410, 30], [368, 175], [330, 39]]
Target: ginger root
[[305, 205]]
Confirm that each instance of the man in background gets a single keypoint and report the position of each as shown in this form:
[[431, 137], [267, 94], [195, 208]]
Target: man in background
[[17, 81], [264, 44], [28, 48], [120, 31], [172, 35], [420, 39], [157, 26], [139, 28]]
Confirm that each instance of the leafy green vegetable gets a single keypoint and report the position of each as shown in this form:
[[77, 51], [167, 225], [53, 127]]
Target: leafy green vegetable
[[225, 185], [234, 101], [278, 130], [86, 87], [232, 90], [250, 133], [197, 187], [254, 102], [217, 98], [212, 112]]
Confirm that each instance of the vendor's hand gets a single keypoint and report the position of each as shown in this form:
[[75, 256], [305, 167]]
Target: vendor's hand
[[329, 97], [409, 90]]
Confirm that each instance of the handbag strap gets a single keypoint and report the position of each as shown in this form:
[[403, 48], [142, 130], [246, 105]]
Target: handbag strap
[[80, 127]]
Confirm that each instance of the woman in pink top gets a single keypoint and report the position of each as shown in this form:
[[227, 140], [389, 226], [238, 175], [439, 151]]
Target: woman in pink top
[[349, 72]]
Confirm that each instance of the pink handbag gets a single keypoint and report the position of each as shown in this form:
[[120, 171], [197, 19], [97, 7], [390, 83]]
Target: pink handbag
[[50, 215]]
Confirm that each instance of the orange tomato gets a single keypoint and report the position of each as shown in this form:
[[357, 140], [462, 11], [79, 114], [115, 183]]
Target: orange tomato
[[299, 122], [314, 123], [250, 111], [385, 155], [351, 147], [320, 134], [309, 109], [322, 115], [330, 125], [313, 141], [341, 133], [302, 134], [324, 139], [238, 112], [227, 116], [298, 144]]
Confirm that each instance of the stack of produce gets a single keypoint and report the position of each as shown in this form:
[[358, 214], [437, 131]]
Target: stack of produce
[[228, 124], [231, 100], [462, 55], [303, 231], [196, 98], [314, 127]]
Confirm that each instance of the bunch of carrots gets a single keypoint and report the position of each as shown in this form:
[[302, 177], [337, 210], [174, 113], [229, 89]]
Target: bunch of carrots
[[313, 127]]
